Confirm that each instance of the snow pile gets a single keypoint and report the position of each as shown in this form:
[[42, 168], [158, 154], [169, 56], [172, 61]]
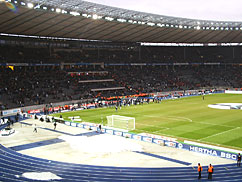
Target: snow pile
[[101, 144], [41, 176]]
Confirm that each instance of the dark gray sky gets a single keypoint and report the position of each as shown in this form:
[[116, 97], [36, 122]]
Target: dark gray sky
[[222, 10]]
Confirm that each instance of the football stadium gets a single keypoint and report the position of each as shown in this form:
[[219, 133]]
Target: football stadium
[[123, 91]]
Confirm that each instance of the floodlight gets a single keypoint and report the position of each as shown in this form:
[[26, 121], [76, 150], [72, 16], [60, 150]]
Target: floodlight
[[159, 25], [150, 24], [22, 3], [180, 26], [75, 13], [37, 6], [94, 16], [109, 18], [58, 10], [30, 5], [121, 20], [45, 8]]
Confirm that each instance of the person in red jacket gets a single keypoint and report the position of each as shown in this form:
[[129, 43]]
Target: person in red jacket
[[199, 169], [210, 171]]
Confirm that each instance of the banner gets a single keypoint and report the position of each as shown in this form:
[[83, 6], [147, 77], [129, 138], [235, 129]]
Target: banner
[[11, 112]]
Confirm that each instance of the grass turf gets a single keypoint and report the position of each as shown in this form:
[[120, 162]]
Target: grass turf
[[185, 118]]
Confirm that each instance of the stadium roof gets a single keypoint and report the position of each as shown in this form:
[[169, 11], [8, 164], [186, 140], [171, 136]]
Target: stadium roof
[[84, 20]]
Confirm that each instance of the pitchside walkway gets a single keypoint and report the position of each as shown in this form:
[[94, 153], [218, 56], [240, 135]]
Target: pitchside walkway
[[14, 164]]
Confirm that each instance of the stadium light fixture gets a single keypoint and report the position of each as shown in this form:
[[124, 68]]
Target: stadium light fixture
[[180, 26], [58, 10], [64, 12], [37, 6], [109, 18], [150, 24], [121, 20], [85, 15], [45, 8], [159, 25], [75, 13], [95, 17], [15, 2], [30, 5], [23, 3], [240, 28]]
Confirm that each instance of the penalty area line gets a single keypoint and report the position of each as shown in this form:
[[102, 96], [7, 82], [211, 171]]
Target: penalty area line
[[152, 126], [219, 133]]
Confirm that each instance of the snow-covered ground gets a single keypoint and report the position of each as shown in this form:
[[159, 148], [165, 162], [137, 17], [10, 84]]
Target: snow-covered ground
[[103, 143]]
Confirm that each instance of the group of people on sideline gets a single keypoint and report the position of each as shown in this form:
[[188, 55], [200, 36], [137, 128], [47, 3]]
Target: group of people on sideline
[[211, 168]]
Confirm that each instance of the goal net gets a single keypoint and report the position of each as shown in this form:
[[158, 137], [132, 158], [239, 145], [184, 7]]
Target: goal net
[[123, 122]]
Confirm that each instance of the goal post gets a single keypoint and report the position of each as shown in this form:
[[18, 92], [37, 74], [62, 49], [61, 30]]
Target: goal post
[[123, 122]]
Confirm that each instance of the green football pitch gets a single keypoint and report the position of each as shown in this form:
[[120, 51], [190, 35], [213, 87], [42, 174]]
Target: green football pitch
[[187, 118]]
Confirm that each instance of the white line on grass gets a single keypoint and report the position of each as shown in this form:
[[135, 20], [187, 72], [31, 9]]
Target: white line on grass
[[170, 117], [151, 125], [219, 133], [215, 124]]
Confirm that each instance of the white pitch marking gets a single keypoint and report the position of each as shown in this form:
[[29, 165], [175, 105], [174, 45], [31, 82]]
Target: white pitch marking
[[152, 125], [219, 133], [215, 124], [171, 117]]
